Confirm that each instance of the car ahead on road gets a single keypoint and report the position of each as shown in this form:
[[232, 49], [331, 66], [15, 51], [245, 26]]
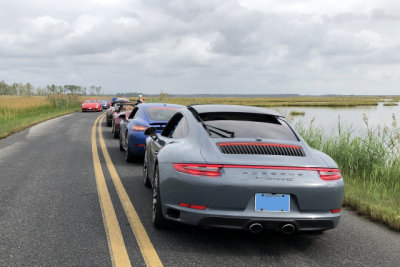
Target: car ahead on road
[[113, 109], [106, 104], [124, 108], [239, 167], [91, 105], [132, 138]]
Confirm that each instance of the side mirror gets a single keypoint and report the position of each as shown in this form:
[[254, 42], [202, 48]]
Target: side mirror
[[122, 116], [151, 131]]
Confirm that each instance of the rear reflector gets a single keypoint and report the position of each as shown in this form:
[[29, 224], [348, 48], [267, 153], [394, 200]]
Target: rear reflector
[[210, 170], [335, 210], [191, 206]]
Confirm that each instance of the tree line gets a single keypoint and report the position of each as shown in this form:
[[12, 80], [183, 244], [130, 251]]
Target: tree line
[[27, 89]]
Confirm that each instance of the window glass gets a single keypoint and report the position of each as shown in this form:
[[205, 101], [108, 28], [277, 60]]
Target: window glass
[[160, 113], [171, 125], [133, 113], [181, 130], [247, 125], [138, 113]]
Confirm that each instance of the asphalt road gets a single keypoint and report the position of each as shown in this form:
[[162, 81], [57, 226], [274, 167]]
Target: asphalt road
[[50, 214]]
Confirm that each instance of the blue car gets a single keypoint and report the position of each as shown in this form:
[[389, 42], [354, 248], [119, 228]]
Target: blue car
[[132, 139], [106, 104]]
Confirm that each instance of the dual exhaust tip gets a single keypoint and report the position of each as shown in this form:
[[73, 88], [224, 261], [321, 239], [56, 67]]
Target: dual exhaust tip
[[257, 228]]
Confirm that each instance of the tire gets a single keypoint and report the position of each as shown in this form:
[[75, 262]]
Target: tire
[[115, 134], [121, 148], [157, 218], [129, 157], [146, 180], [108, 121]]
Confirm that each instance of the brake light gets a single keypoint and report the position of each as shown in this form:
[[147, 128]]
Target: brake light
[[210, 170], [335, 210], [191, 206], [329, 174], [139, 128]]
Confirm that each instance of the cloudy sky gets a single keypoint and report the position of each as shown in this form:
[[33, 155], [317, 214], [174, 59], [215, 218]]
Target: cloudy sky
[[207, 46]]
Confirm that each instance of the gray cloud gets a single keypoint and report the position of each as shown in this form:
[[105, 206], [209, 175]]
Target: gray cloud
[[223, 46]]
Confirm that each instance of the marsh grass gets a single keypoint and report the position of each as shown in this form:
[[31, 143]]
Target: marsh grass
[[297, 113], [391, 104], [18, 112], [273, 101], [370, 165]]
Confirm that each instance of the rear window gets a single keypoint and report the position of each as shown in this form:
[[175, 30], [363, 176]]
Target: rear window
[[127, 107], [247, 125], [160, 113]]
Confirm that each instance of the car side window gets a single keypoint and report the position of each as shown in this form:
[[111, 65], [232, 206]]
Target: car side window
[[132, 115], [171, 125], [181, 130], [137, 113]]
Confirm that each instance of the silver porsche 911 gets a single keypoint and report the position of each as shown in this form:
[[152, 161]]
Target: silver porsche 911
[[240, 167]]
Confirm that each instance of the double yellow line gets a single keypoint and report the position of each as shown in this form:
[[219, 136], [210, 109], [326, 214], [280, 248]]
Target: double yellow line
[[116, 244]]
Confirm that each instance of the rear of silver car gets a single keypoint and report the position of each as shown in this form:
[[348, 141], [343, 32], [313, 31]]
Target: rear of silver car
[[252, 197]]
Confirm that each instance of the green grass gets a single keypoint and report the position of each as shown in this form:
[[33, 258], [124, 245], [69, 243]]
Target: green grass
[[17, 113], [370, 165]]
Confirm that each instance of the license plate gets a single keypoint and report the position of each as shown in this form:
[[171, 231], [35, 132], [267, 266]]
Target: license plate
[[90, 108], [272, 202]]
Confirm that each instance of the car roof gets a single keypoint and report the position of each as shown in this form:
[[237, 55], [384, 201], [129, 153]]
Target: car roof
[[207, 108]]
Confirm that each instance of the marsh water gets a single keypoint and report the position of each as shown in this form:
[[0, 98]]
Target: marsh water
[[327, 118]]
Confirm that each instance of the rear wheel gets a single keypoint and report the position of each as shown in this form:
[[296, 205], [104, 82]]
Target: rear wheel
[[108, 121], [121, 148], [157, 216], [115, 134], [146, 180], [129, 157]]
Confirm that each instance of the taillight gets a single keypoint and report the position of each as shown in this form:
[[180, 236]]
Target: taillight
[[210, 170], [335, 211], [329, 174], [139, 128]]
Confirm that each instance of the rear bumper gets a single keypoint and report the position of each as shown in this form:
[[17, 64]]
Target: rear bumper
[[92, 109], [137, 143], [239, 221], [229, 199]]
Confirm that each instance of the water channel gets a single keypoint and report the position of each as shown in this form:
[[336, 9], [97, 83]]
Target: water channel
[[327, 118]]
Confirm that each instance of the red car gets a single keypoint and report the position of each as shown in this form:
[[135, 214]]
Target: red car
[[91, 105], [125, 108]]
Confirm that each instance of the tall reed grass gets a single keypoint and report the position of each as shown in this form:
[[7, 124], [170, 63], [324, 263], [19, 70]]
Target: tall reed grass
[[18, 112], [370, 164]]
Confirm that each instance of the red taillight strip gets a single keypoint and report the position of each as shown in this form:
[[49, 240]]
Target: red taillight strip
[[327, 174], [257, 144], [211, 170], [335, 211]]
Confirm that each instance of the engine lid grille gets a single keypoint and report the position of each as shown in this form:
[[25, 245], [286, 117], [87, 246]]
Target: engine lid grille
[[261, 149]]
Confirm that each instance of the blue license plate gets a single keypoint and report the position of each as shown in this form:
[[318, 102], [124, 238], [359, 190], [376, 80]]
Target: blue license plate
[[272, 202]]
